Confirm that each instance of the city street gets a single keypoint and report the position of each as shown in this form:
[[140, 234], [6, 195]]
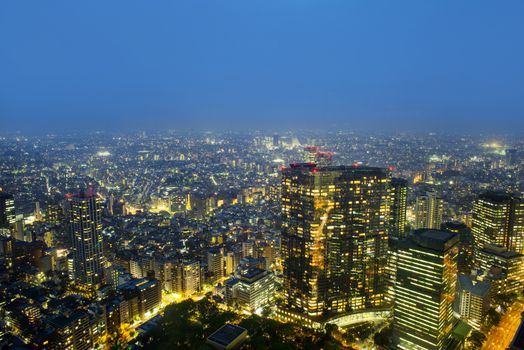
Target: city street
[[500, 336]]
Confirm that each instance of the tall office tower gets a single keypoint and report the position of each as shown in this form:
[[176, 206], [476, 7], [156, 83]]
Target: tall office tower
[[512, 157], [397, 229], [110, 205], [465, 260], [334, 238], [502, 268], [86, 237], [276, 140], [313, 154], [391, 270], [425, 290], [398, 207], [498, 219], [7, 210], [428, 211]]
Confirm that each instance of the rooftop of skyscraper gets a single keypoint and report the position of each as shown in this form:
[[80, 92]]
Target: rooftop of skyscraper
[[497, 196], [313, 167], [89, 193], [435, 239]]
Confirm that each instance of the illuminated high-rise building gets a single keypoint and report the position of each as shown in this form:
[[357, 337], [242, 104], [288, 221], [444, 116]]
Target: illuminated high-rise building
[[110, 205], [503, 268], [54, 213], [465, 260], [276, 140], [7, 210], [397, 229], [428, 211], [472, 300], [512, 157], [313, 154], [398, 207], [425, 289], [215, 263], [334, 238], [498, 219], [86, 237]]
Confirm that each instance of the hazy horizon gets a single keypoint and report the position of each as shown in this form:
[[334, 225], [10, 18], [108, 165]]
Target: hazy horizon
[[391, 66]]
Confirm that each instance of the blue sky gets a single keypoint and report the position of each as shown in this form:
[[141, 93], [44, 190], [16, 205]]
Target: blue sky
[[365, 65]]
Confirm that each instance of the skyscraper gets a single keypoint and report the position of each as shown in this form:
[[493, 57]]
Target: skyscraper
[[503, 268], [215, 263], [512, 157], [428, 211], [498, 219], [399, 202], [425, 289], [334, 238], [276, 140], [313, 154], [7, 210], [465, 260], [86, 237]]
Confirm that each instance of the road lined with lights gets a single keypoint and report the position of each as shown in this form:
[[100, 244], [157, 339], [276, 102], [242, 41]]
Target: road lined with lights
[[500, 336]]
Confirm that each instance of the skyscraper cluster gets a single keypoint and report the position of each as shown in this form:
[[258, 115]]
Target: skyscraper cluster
[[420, 250], [347, 249]]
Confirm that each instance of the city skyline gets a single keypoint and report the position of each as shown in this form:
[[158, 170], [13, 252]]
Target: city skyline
[[297, 239], [263, 174]]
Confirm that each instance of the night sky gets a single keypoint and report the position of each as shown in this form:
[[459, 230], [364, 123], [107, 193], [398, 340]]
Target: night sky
[[275, 65]]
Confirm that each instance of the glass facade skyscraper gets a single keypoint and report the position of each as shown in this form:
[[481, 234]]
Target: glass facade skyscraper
[[334, 238], [86, 237], [7, 210], [428, 211], [498, 219], [425, 289], [398, 207]]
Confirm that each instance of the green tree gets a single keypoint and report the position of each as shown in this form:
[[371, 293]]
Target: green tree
[[475, 340], [492, 318], [383, 338], [186, 325], [505, 299], [116, 341]]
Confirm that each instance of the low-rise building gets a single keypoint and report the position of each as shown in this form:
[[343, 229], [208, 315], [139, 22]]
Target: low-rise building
[[251, 289], [472, 300], [143, 296]]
